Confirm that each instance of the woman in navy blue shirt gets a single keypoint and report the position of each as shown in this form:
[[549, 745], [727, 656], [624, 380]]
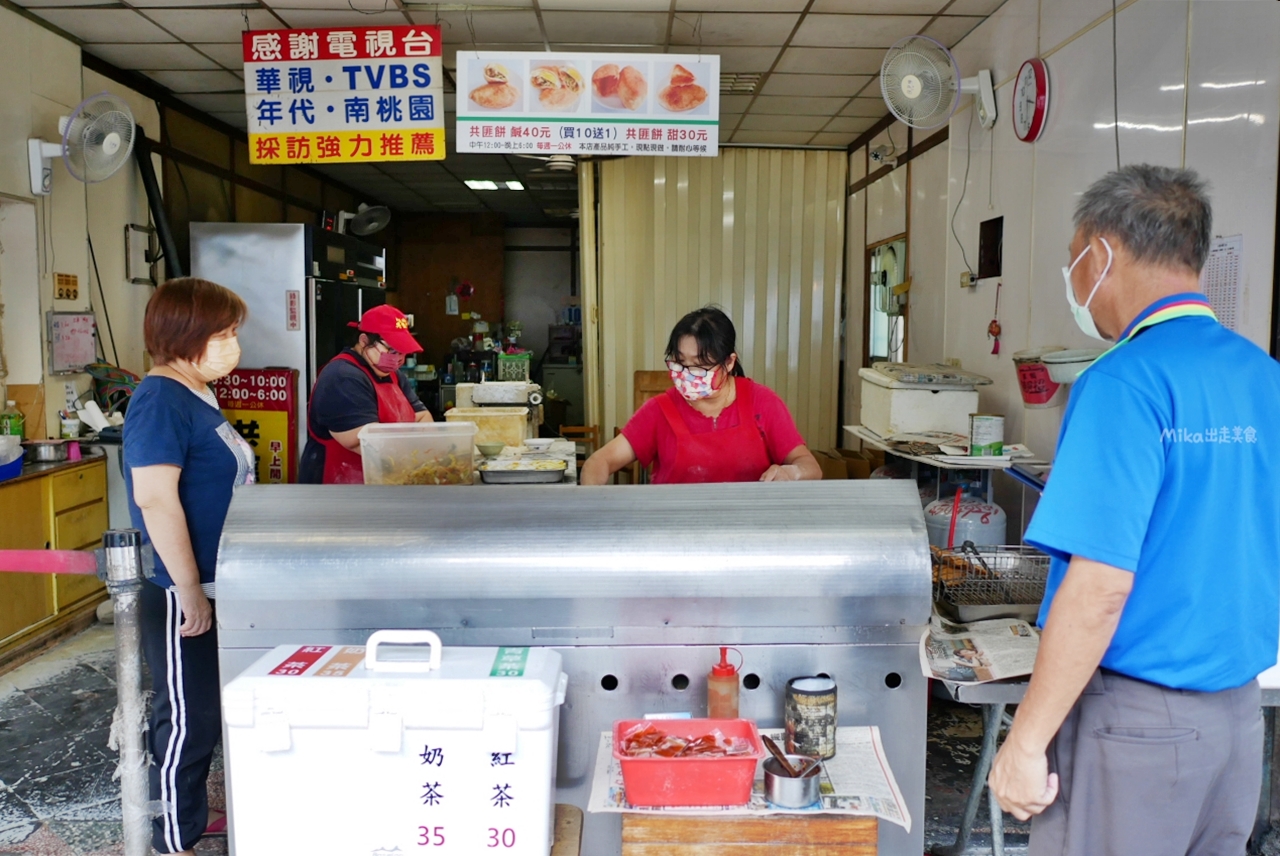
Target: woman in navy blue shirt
[[182, 461]]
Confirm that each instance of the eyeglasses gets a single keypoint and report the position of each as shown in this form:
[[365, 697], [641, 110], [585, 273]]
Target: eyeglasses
[[695, 371]]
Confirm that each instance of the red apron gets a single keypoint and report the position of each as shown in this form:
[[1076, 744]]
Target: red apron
[[733, 455], [343, 466]]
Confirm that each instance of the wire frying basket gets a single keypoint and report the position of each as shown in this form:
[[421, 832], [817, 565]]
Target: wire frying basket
[[974, 583]]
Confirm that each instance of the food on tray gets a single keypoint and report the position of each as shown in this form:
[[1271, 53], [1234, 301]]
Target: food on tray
[[682, 93], [524, 465], [449, 469], [632, 88], [558, 85], [605, 80], [646, 740], [495, 96]]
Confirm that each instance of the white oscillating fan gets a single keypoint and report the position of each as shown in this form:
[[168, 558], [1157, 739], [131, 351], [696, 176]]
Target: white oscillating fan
[[921, 83], [97, 139]]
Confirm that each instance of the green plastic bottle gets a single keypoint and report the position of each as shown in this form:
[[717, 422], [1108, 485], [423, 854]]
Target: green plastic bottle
[[11, 419]]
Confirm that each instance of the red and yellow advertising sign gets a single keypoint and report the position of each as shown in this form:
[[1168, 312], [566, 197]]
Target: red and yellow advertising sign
[[344, 95], [262, 405]]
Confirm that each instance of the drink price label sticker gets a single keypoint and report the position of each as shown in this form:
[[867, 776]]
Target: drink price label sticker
[[509, 663]]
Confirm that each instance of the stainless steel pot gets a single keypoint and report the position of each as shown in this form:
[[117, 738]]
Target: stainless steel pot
[[46, 451]]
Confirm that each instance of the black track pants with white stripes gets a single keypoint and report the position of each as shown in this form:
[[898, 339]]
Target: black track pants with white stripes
[[186, 719]]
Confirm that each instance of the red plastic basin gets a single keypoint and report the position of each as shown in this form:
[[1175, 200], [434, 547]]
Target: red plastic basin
[[696, 781]]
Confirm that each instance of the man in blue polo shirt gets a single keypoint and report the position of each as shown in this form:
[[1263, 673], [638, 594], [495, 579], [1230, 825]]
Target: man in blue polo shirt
[[1141, 730]]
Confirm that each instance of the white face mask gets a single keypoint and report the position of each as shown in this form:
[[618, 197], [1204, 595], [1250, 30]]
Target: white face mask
[[1084, 318]]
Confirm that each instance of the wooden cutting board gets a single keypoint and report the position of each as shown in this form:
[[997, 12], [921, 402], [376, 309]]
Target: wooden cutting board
[[776, 835]]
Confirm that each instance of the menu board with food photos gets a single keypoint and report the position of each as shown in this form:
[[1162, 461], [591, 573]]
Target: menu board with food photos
[[598, 104]]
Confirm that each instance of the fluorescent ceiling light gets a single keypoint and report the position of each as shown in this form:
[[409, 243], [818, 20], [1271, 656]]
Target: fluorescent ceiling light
[[482, 185], [514, 185]]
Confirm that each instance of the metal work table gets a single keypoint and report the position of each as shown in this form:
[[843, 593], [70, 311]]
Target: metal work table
[[636, 587]]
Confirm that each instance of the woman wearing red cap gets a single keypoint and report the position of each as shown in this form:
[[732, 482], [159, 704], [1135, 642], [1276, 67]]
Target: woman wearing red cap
[[361, 386]]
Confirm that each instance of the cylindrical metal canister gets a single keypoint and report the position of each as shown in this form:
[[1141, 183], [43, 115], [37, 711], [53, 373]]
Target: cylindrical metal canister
[[986, 434], [810, 714]]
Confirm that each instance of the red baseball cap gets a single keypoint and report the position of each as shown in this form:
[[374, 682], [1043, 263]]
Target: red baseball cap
[[391, 324]]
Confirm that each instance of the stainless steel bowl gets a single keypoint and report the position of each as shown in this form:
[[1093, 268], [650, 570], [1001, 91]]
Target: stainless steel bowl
[[785, 792], [46, 451]]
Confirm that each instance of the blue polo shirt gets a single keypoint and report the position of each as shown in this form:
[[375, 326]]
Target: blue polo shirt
[[1168, 466]]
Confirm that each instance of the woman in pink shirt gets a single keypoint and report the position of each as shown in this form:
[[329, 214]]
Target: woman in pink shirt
[[714, 425]]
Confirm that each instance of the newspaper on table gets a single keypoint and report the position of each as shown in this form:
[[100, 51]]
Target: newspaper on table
[[856, 781], [978, 652]]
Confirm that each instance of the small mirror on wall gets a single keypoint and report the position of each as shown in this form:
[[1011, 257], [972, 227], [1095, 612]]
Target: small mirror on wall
[[139, 254], [990, 247]]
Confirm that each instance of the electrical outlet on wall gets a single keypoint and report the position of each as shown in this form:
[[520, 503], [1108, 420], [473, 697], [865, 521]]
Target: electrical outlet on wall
[[967, 280]]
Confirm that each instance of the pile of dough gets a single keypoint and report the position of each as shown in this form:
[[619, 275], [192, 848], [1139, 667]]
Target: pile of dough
[[558, 85], [628, 84], [682, 93], [497, 93]]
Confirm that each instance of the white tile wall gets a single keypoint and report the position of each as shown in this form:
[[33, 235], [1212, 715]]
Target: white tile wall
[[887, 207], [857, 170], [1062, 19], [1231, 137], [926, 331], [855, 298], [1002, 42]]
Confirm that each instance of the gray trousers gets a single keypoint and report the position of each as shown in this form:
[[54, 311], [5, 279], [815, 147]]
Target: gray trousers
[[1148, 770]]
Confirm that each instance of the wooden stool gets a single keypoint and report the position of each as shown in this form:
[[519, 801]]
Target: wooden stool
[[568, 841], [775, 835]]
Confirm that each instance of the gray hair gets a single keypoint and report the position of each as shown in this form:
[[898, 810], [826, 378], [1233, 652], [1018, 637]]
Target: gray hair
[[1161, 214]]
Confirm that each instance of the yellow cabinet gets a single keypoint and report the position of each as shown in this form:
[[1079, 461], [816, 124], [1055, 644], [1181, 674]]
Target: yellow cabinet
[[65, 509], [78, 500], [25, 599], [79, 487]]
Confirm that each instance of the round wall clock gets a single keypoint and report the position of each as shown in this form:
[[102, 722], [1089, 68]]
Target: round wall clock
[[1031, 100]]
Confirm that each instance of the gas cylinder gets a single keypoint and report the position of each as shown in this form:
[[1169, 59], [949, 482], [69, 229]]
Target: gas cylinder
[[984, 523]]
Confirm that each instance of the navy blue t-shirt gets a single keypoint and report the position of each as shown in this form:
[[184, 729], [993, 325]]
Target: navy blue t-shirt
[[167, 423], [1168, 465], [344, 399]]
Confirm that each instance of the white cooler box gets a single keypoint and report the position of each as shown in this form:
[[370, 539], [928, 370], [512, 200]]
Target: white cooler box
[[335, 752], [890, 407]]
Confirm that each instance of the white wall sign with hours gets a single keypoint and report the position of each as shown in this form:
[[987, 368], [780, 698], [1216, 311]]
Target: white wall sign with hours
[[1031, 100]]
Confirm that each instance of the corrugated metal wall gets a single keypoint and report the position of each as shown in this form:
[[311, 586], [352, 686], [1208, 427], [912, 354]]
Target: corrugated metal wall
[[760, 232]]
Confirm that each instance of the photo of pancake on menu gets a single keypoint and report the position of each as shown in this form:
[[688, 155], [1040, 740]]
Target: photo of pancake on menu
[[632, 104]]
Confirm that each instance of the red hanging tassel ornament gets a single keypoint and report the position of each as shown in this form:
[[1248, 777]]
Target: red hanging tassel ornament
[[993, 329]]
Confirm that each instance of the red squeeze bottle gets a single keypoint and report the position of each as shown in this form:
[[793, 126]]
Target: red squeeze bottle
[[722, 689]]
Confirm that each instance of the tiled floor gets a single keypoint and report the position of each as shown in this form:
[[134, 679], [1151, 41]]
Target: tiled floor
[[58, 798], [57, 792]]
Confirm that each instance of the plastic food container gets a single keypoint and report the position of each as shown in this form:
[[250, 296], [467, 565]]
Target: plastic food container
[[696, 781], [1065, 366], [506, 425], [429, 453]]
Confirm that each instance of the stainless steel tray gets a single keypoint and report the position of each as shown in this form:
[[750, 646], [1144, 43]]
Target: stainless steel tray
[[522, 476]]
